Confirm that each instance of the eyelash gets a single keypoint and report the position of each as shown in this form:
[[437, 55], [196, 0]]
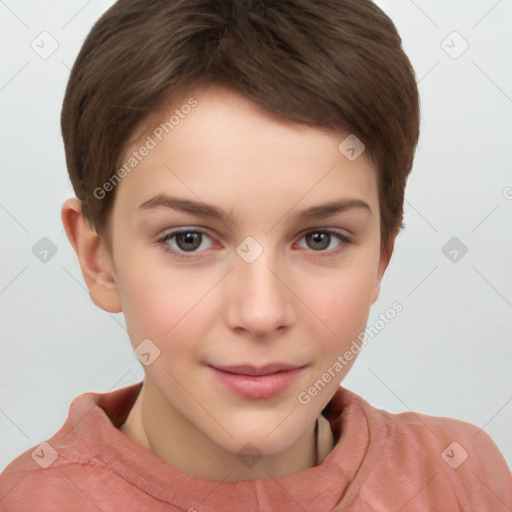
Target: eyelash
[[344, 239]]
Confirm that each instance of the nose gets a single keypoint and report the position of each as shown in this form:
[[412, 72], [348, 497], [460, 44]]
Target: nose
[[260, 300]]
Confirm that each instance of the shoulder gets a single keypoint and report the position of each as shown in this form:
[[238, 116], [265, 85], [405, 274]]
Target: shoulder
[[77, 464], [449, 456], [423, 462], [40, 479], [450, 440], [453, 440]]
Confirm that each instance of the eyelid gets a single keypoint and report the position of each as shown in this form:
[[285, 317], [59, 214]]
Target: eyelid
[[173, 232], [337, 231]]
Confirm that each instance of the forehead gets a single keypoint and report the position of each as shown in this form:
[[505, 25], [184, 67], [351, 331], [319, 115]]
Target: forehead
[[213, 140]]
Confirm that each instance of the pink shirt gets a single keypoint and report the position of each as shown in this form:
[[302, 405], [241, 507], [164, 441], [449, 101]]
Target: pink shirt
[[380, 462]]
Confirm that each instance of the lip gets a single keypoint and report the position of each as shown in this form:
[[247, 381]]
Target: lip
[[247, 369], [257, 383]]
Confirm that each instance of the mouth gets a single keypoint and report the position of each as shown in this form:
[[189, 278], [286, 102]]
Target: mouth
[[245, 369], [258, 383]]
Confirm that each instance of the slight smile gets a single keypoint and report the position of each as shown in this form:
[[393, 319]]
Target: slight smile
[[254, 382]]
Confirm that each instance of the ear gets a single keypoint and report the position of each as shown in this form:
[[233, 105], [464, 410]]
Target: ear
[[93, 256], [383, 265]]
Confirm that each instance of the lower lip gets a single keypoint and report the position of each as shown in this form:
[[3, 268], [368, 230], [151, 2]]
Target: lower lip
[[257, 386]]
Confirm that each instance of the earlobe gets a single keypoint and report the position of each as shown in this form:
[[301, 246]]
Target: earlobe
[[92, 256]]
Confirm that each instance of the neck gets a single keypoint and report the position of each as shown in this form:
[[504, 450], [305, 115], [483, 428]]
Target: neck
[[173, 439]]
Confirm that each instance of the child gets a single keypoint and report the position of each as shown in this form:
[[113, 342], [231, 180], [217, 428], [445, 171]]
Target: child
[[275, 138]]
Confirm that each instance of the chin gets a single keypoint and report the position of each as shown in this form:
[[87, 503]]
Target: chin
[[267, 438]]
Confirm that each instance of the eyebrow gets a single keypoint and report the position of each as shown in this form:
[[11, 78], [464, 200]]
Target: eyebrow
[[201, 209]]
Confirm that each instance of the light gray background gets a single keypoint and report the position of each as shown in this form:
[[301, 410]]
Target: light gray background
[[448, 353]]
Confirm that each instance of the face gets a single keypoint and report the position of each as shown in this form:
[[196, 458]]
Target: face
[[227, 259]]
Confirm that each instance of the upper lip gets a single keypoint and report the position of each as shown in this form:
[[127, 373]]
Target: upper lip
[[247, 369]]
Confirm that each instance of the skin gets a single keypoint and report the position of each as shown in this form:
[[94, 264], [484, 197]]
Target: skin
[[293, 304]]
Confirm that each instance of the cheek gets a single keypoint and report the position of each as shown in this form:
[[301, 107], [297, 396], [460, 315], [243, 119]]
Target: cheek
[[157, 303], [343, 304]]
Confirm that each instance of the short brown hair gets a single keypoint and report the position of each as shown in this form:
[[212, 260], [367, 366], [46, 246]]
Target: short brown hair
[[332, 64]]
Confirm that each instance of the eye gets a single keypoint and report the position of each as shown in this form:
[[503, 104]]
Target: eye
[[188, 243], [185, 242], [319, 240]]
